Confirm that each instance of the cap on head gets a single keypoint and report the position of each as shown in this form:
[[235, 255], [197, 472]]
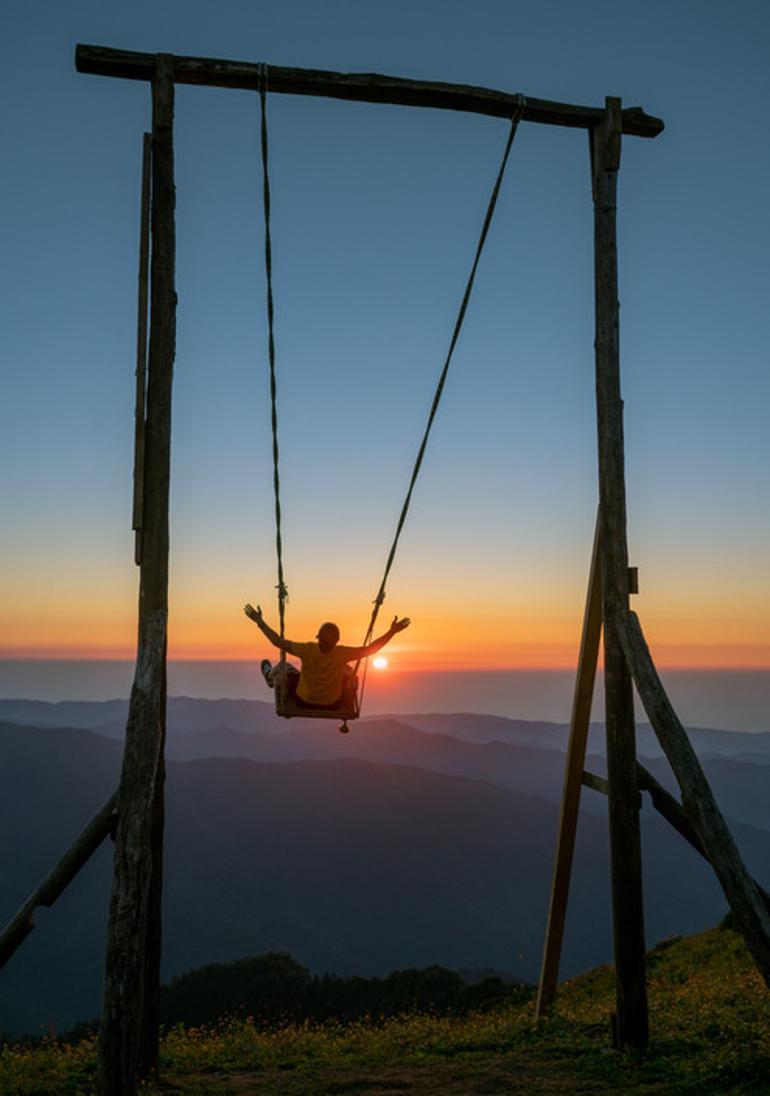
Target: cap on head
[[328, 635]]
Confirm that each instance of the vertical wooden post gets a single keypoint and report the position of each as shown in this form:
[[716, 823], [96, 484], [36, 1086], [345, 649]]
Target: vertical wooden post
[[625, 839], [573, 780], [141, 350], [147, 1054], [137, 865]]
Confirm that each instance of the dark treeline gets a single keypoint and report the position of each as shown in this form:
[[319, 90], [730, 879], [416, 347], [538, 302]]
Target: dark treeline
[[275, 989]]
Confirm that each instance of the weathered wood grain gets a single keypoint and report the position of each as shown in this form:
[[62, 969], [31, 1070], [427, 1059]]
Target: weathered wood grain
[[360, 86], [149, 1034], [573, 773], [79, 852], [698, 800], [137, 859], [669, 808], [141, 349], [625, 839]]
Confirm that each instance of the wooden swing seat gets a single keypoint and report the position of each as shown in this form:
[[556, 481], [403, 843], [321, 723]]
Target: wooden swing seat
[[287, 707]]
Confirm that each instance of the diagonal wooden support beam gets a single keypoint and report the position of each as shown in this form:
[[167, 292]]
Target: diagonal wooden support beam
[[698, 800], [669, 808], [366, 87], [573, 773], [80, 851]]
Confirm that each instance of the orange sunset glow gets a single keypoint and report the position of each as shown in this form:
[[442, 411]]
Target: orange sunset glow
[[519, 635]]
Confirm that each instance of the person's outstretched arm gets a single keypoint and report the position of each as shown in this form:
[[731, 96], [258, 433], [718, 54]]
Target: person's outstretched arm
[[264, 627], [376, 644]]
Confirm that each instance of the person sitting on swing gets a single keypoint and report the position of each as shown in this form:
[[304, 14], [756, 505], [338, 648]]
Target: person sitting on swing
[[326, 678]]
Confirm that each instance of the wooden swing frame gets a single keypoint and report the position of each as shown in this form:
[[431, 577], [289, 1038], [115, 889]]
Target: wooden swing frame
[[129, 1032]]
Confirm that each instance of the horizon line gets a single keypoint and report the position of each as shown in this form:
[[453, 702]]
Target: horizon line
[[396, 670]]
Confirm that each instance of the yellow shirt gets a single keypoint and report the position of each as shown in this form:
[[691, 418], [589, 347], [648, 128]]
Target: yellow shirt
[[321, 677]]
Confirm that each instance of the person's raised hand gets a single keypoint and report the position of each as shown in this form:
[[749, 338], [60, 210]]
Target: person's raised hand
[[399, 625], [253, 614]]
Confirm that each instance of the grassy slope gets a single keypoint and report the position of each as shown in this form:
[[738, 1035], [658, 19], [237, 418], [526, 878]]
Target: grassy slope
[[710, 1022]]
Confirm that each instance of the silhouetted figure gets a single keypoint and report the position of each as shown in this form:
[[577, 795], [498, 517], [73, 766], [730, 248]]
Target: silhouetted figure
[[326, 672]]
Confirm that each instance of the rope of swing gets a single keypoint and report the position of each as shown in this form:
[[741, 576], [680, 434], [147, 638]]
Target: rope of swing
[[515, 119], [283, 593]]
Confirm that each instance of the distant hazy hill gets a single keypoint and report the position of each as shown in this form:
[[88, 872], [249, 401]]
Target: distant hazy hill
[[188, 715], [741, 789], [553, 736], [348, 865], [185, 714], [512, 753], [522, 768]]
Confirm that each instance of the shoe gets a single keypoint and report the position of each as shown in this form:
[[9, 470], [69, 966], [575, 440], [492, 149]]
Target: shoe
[[266, 667]]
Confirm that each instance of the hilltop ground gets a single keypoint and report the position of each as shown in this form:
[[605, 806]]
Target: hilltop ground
[[710, 1025]]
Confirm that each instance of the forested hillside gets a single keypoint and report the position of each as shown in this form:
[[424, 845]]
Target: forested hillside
[[352, 867]]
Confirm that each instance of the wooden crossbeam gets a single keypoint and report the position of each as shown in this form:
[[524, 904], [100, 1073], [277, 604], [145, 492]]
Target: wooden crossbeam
[[365, 87]]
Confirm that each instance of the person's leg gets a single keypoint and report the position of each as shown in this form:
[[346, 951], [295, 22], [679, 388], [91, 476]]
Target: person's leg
[[280, 672], [349, 685], [286, 675]]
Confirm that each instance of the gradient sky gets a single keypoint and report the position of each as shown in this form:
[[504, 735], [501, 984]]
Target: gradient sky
[[376, 214]]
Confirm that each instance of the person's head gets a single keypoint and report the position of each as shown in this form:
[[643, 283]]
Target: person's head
[[328, 636]]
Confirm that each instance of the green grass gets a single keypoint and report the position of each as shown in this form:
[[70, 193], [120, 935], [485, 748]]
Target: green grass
[[710, 1033]]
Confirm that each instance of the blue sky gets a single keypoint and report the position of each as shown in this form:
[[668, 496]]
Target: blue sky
[[376, 213]]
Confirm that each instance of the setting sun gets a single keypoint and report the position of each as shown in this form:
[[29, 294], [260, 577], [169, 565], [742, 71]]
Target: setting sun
[[380, 662]]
